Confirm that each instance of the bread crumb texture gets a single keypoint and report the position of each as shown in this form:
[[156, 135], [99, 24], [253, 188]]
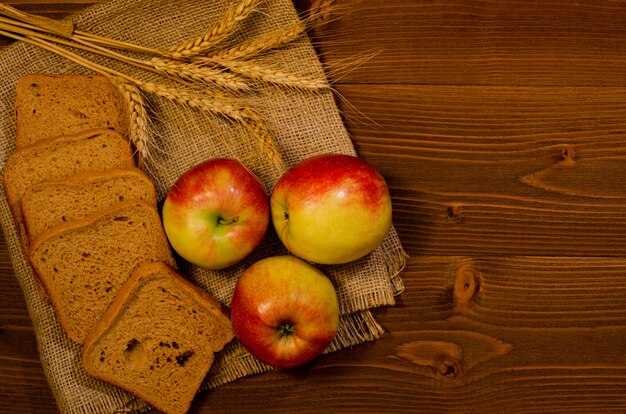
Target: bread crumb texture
[[84, 263], [51, 105]]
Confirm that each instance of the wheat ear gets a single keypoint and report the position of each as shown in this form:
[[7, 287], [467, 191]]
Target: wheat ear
[[197, 73], [216, 105], [138, 117], [256, 71], [224, 27], [223, 106], [266, 140], [263, 43]]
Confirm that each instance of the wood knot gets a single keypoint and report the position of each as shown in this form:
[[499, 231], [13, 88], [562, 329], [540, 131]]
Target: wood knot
[[440, 354], [455, 214], [568, 155], [466, 285], [448, 368], [443, 358]]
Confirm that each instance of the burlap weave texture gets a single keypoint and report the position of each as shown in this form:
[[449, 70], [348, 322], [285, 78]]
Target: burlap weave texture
[[304, 124]]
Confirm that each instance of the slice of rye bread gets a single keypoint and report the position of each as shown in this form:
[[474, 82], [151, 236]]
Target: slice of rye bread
[[158, 338], [52, 202], [47, 106], [58, 158], [84, 263]]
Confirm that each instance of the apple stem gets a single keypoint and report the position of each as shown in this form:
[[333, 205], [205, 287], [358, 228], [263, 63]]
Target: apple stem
[[222, 220], [285, 329]]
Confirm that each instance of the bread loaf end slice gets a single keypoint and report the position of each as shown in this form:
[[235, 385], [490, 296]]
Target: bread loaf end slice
[[52, 202], [84, 263], [47, 106], [158, 338]]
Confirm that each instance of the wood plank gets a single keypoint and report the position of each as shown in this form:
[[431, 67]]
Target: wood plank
[[498, 170], [23, 385], [486, 42], [451, 348]]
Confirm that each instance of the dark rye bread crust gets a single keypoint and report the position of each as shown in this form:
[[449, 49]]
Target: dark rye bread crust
[[52, 202], [84, 263], [51, 105], [164, 357]]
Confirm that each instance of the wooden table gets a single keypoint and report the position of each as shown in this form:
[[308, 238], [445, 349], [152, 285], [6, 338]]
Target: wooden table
[[501, 129]]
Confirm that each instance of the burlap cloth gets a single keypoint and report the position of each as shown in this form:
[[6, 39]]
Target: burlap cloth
[[305, 124]]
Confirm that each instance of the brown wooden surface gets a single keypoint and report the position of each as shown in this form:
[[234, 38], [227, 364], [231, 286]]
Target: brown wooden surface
[[501, 129]]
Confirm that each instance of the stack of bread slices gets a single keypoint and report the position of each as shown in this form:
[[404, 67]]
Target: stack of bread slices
[[89, 225]]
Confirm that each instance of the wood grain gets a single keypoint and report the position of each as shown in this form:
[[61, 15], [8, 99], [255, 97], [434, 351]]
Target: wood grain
[[500, 128], [478, 42]]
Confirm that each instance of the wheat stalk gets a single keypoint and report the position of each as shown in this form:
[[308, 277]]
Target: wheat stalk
[[255, 70], [201, 74], [60, 27], [65, 29], [114, 43], [262, 43], [226, 25]]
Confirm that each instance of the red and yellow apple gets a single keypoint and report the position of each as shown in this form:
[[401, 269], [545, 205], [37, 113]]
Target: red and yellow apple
[[284, 311], [331, 209], [216, 213]]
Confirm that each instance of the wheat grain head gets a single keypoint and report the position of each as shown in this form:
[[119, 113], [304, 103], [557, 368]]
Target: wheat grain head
[[221, 30], [200, 73], [138, 116], [257, 71], [263, 43]]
